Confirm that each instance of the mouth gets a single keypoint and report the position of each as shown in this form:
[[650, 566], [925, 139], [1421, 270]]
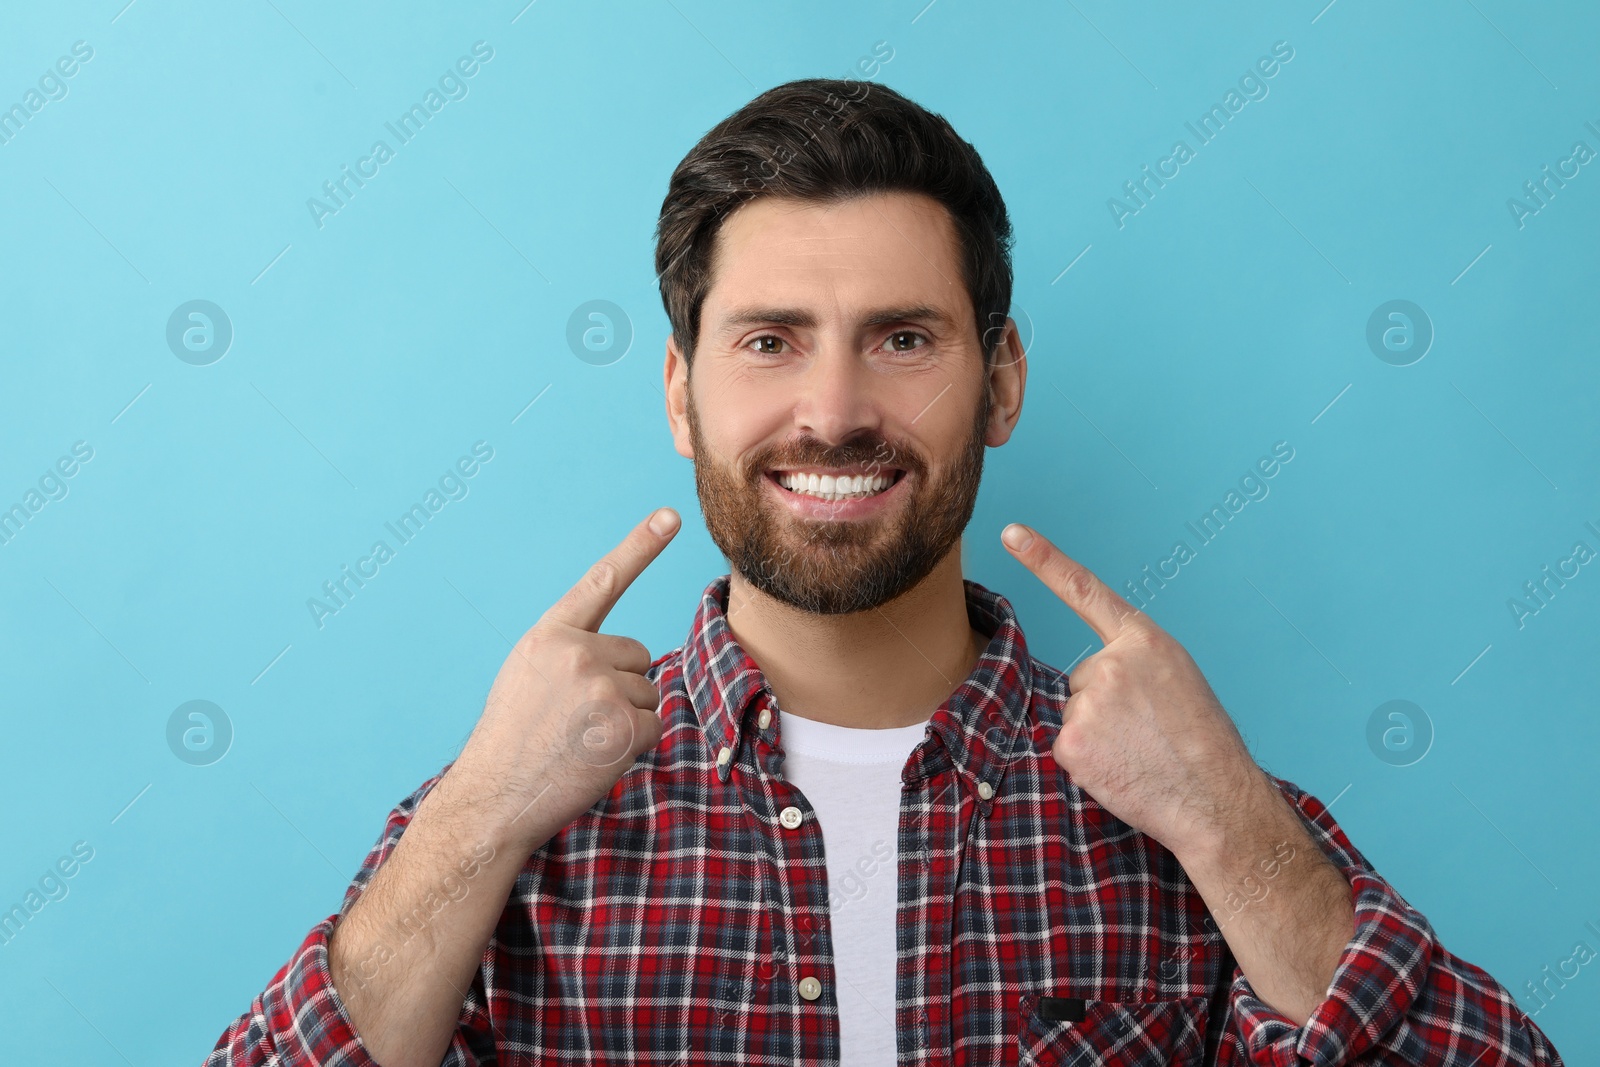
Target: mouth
[[835, 485]]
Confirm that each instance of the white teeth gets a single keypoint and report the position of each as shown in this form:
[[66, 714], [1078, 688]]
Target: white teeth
[[829, 487]]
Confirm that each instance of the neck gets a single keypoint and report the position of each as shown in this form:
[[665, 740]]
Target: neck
[[890, 666]]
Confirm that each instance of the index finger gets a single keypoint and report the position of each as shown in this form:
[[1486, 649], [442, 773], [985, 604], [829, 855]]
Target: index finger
[[587, 604], [1096, 604]]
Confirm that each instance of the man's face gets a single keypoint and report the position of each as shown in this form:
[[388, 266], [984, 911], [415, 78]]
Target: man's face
[[837, 341]]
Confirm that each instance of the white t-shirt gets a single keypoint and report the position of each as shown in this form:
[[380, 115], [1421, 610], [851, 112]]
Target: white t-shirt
[[851, 777]]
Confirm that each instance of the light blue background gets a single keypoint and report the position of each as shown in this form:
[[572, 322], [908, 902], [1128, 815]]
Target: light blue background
[[1228, 314]]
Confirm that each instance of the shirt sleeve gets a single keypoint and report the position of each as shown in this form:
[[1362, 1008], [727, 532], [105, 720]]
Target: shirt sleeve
[[1397, 996], [298, 1020]]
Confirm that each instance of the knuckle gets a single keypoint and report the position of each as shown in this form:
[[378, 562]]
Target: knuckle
[[1080, 583], [530, 639], [601, 733], [650, 732], [603, 691], [536, 641], [576, 657], [603, 578]]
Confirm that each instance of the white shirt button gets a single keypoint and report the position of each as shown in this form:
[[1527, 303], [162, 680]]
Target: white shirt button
[[722, 755], [790, 817], [810, 988], [985, 791], [764, 720]]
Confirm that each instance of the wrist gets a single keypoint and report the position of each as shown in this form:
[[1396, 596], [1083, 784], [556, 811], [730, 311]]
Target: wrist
[[1255, 818], [513, 817]]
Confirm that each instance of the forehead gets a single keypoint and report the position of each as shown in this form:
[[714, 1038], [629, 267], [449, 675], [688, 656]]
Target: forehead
[[851, 256]]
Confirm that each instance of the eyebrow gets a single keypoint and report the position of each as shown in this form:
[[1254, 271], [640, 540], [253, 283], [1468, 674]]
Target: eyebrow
[[800, 318]]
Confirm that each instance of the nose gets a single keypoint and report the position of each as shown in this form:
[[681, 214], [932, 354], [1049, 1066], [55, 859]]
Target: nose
[[835, 396]]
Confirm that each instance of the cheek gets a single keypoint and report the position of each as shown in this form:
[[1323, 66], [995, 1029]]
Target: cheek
[[941, 414], [734, 420]]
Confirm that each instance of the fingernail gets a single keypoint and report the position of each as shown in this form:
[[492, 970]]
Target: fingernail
[[664, 521], [1016, 537]]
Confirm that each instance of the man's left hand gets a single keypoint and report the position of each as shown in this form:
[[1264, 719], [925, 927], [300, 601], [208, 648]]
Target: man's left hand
[[1142, 732]]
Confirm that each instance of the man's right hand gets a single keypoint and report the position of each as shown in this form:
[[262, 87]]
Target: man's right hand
[[571, 708], [568, 713]]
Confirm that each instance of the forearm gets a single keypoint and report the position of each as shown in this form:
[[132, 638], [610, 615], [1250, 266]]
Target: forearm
[[405, 954], [1286, 912], [1394, 994]]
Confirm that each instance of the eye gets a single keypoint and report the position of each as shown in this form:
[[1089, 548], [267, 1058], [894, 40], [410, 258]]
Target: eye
[[766, 337], [906, 335]]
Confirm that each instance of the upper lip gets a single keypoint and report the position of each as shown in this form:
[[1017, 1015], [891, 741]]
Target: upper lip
[[838, 472]]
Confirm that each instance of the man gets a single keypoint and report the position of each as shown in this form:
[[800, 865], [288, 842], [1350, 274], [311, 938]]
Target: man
[[853, 817]]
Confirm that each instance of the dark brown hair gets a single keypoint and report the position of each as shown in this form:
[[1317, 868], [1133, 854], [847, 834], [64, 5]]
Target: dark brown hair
[[825, 140]]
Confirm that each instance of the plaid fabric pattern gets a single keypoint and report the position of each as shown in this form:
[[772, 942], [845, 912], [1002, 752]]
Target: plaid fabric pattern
[[674, 921]]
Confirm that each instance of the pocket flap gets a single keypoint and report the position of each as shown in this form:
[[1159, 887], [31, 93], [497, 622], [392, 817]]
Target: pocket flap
[[1168, 1033]]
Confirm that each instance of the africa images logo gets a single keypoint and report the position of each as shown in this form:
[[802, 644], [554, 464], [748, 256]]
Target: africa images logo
[[1206, 128], [452, 85]]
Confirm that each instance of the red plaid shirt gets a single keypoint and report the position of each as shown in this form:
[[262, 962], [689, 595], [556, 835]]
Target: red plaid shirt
[[674, 921]]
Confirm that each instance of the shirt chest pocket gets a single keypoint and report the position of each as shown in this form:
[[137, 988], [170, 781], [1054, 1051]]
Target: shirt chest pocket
[[1156, 1033]]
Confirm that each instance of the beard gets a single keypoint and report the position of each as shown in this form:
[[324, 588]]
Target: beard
[[837, 567]]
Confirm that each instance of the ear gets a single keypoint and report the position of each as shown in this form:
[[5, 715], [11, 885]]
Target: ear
[[675, 380], [1007, 376]]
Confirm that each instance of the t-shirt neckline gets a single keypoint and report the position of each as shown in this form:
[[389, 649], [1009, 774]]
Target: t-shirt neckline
[[849, 744]]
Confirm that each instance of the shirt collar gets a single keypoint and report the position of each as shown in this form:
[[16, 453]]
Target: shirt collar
[[978, 724]]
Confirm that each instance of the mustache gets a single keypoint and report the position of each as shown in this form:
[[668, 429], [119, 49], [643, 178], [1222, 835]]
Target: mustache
[[876, 454]]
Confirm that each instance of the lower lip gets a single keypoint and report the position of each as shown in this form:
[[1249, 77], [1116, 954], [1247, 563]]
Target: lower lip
[[811, 507]]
